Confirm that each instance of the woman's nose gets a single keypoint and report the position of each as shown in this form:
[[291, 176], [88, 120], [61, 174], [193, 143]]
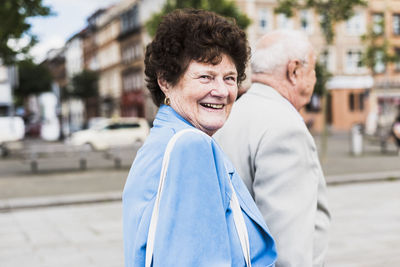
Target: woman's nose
[[220, 89]]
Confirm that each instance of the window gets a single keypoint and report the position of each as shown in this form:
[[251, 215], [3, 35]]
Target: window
[[356, 101], [4, 111], [132, 52], [113, 126], [327, 59], [133, 81], [351, 102], [265, 21], [129, 125], [3, 74], [353, 61], [315, 104], [396, 24], [93, 63], [306, 22], [379, 66], [397, 62], [284, 22], [356, 24], [130, 19], [324, 58], [377, 23]]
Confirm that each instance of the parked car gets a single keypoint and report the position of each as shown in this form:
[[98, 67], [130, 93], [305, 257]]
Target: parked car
[[12, 131], [112, 133]]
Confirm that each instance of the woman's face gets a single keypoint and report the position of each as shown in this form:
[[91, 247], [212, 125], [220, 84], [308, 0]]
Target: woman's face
[[205, 93]]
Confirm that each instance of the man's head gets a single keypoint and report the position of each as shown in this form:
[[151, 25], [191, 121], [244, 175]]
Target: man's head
[[285, 60]]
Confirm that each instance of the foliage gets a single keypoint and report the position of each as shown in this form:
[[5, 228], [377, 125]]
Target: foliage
[[14, 25], [377, 43], [85, 84], [323, 75], [331, 12], [226, 8], [33, 79]]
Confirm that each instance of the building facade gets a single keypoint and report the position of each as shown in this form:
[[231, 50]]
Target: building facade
[[384, 17], [114, 42], [347, 101]]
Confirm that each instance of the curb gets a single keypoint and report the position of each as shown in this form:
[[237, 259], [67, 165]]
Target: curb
[[61, 200], [11, 204], [362, 177]]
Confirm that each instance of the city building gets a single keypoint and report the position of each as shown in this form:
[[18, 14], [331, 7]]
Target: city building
[[114, 41], [113, 45], [384, 17], [350, 84], [8, 80]]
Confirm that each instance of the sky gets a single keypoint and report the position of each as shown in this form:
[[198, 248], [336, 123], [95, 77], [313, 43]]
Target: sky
[[70, 17]]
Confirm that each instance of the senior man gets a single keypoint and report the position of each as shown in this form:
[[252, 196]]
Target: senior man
[[275, 154]]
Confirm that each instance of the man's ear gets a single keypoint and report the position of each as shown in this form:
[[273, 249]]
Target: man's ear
[[293, 71], [163, 85]]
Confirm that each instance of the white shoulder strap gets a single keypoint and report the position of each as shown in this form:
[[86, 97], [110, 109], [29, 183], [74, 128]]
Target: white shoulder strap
[[235, 206], [240, 225]]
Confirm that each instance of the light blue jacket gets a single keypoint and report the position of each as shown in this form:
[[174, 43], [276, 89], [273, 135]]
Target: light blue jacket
[[195, 225]]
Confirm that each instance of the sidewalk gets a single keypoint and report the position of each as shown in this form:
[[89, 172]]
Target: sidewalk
[[340, 166], [23, 189]]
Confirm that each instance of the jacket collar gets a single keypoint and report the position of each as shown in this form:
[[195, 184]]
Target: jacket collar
[[266, 91], [245, 199], [167, 116]]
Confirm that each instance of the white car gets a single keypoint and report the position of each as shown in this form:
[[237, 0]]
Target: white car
[[112, 133], [12, 131]]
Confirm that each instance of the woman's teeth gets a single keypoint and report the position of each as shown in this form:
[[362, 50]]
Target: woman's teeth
[[215, 106]]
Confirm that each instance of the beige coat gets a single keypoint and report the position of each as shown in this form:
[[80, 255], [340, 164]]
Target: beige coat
[[274, 153]]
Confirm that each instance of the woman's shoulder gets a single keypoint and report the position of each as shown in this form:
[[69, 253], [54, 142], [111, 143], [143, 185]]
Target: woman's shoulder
[[191, 138]]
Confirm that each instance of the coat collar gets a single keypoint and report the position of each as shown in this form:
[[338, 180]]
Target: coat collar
[[266, 91], [167, 116], [245, 199]]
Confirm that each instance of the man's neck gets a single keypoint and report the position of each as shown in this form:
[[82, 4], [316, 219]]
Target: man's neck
[[279, 85]]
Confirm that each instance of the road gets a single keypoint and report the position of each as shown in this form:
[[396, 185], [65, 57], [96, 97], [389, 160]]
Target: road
[[365, 225], [365, 231], [59, 159]]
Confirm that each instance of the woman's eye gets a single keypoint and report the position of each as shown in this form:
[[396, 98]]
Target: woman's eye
[[231, 79], [205, 77]]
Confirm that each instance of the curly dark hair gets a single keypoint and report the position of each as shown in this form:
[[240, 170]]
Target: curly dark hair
[[190, 34]]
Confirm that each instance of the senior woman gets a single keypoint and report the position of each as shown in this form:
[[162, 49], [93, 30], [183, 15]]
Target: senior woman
[[193, 67]]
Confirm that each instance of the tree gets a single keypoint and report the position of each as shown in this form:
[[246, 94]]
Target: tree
[[225, 8], [85, 84], [377, 55], [378, 49], [14, 25], [33, 79], [85, 87], [331, 12], [323, 75]]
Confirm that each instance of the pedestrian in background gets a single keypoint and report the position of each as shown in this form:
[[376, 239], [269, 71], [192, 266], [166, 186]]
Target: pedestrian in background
[[193, 67], [273, 151], [396, 131]]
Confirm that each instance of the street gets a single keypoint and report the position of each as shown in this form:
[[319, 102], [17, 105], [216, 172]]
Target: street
[[63, 216], [365, 225], [365, 231], [81, 235]]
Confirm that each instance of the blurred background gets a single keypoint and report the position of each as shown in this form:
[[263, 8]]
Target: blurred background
[[74, 109]]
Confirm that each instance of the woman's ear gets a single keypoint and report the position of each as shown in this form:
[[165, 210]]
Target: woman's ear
[[163, 85], [293, 71]]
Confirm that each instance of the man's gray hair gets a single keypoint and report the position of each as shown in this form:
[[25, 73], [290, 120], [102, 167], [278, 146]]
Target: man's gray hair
[[285, 45]]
